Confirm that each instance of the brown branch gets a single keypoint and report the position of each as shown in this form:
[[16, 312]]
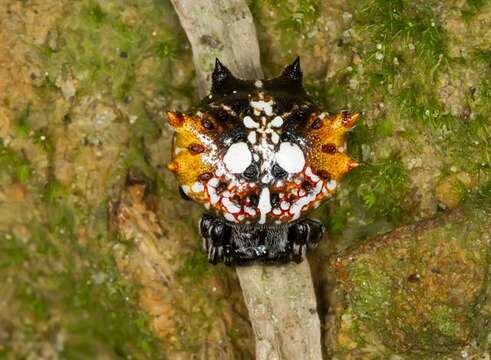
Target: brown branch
[[281, 299], [223, 29]]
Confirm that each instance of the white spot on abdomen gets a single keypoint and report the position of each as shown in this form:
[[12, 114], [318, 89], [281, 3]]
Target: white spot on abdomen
[[252, 137], [250, 123], [266, 178], [197, 187], [275, 138], [211, 187], [277, 122], [250, 211], [331, 185], [290, 157], [237, 158], [266, 106], [297, 207], [264, 205], [230, 206], [311, 175]]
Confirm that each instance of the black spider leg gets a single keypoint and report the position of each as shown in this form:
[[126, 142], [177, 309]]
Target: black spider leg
[[216, 239], [302, 235]]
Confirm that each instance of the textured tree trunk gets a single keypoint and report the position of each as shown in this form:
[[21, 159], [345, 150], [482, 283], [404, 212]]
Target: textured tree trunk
[[280, 299]]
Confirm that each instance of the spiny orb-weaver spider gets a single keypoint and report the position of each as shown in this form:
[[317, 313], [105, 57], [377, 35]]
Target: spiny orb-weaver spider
[[259, 154]]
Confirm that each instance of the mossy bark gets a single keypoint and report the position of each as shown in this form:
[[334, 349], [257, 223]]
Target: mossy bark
[[415, 292]]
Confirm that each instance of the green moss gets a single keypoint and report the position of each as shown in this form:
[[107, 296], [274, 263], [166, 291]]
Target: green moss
[[61, 218], [145, 128], [53, 192], [335, 94], [485, 191], [468, 145], [483, 101], [373, 288], [22, 121], [383, 188], [337, 220], [82, 289], [287, 19], [392, 22], [485, 92], [166, 47], [253, 4], [297, 16], [121, 329], [292, 16], [43, 246], [420, 105], [473, 7], [33, 302], [43, 139], [104, 51], [483, 55], [315, 89], [442, 318], [384, 128], [13, 250], [401, 45], [49, 82], [137, 161], [96, 14], [195, 268], [14, 166], [416, 293], [476, 4]]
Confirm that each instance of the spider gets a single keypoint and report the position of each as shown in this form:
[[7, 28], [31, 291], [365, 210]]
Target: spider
[[258, 154]]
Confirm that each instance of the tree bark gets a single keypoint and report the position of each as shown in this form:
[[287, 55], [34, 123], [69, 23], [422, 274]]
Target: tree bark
[[221, 29], [280, 299]]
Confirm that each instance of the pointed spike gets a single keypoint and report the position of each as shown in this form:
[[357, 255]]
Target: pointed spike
[[223, 81], [173, 166], [355, 116], [352, 164], [349, 119], [293, 71], [220, 73], [175, 119]]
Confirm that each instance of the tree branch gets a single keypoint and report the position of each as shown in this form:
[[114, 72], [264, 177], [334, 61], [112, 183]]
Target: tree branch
[[280, 299]]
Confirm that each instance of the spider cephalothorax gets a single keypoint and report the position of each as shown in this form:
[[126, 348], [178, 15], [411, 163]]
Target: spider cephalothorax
[[259, 154]]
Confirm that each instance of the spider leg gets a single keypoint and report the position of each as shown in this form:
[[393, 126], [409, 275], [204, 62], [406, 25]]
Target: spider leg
[[303, 234], [216, 239], [316, 232]]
